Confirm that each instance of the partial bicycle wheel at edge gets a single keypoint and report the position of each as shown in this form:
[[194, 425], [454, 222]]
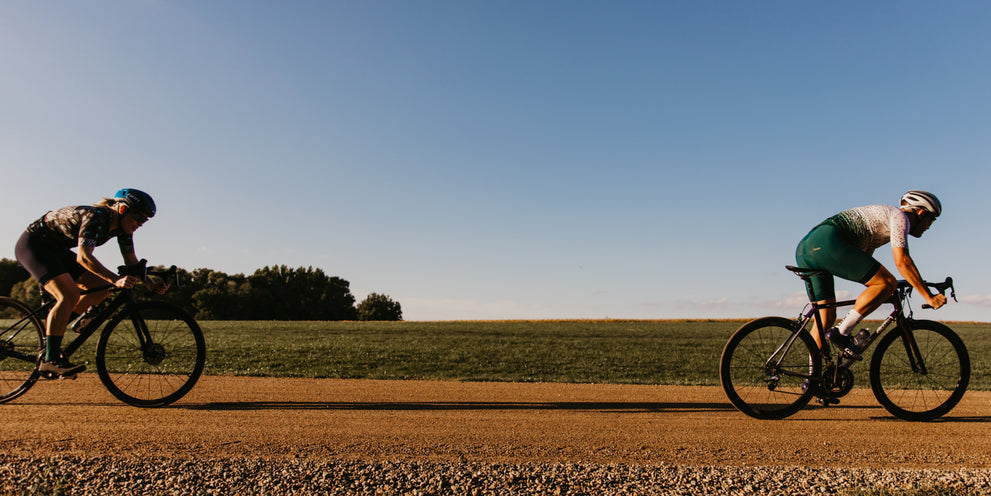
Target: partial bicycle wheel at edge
[[21, 340], [154, 373], [768, 391], [911, 394]]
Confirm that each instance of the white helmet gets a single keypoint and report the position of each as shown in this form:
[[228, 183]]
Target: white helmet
[[924, 200]]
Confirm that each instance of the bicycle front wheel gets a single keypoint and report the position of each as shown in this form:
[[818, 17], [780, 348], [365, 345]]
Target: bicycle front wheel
[[920, 385], [150, 354], [762, 375], [22, 337]]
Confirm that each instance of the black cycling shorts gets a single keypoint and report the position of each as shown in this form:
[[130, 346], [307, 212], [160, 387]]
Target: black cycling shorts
[[45, 261]]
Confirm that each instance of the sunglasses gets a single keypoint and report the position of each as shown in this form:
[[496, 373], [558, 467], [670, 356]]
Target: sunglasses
[[139, 218]]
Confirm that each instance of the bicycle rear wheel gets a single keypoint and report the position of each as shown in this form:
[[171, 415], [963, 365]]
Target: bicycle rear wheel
[[913, 394], [150, 354], [764, 388], [22, 337]]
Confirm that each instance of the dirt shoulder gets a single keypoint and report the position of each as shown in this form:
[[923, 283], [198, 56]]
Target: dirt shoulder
[[325, 419]]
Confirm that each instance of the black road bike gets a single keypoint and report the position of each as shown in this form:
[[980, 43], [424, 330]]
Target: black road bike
[[150, 353], [772, 367]]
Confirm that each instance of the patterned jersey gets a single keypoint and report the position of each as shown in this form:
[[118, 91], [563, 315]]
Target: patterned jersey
[[870, 227], [69, 227]]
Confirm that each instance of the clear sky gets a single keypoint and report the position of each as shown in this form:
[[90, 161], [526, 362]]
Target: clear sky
[[508, 159]]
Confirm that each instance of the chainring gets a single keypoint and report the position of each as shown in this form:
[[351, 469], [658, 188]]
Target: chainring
[[837, 385]]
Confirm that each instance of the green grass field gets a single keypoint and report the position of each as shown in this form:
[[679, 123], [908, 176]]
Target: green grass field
[[627, 352]]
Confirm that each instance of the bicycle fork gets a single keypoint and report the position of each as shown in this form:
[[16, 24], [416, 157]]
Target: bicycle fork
[[154, 353]]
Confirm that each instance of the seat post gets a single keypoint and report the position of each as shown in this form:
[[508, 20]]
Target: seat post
[[806, 274]]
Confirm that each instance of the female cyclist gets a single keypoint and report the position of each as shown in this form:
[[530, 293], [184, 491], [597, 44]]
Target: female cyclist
[[45, 251]]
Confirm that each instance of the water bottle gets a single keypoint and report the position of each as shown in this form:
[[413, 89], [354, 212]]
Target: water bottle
[[86, 317], [861, 338]]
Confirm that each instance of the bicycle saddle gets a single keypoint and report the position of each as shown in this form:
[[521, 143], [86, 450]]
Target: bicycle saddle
[[804, 272]]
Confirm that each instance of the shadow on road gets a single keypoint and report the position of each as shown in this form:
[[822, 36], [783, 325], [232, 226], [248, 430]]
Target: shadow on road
[[610, 407]]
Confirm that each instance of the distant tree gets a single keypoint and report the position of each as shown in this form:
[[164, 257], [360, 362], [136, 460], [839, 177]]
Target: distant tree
[[271, 293], [181, 294], [218, 296], [27, 292], [379, 307], [11, 273], [281, 293]]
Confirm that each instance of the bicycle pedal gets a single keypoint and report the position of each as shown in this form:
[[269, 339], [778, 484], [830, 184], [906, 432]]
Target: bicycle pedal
[[828, 401], [848, 353], [68, 377]]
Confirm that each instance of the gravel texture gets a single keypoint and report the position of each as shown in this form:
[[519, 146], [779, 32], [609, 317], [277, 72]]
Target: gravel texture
[[104, 475], [235, 436]]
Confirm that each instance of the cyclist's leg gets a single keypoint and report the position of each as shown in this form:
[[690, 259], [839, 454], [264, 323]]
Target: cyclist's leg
[[63, 288], [825, 248], [813, 252], [55, 268], [880, 287], [90, 280], [827, 316]]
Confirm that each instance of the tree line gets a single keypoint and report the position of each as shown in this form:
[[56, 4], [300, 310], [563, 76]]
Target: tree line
[[270, 293]]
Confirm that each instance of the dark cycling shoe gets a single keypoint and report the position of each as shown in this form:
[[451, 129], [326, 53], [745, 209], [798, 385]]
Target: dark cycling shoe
[[845, 343], [60, 367]]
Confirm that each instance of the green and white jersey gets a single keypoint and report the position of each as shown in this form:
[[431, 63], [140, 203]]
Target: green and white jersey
[[872, 226]]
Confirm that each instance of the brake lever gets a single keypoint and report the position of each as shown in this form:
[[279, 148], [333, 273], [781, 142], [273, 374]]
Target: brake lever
[[941, 288], [172, 271]]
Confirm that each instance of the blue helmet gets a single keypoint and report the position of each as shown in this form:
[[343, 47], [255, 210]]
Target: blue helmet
[[138, 200]]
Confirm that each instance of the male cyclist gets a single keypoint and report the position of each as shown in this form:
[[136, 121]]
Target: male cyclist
[[45, 251], [843, 246]]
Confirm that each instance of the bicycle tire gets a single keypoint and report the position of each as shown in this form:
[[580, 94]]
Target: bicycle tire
[[750, 385], [159, 373], [21, 342], [912, 395]]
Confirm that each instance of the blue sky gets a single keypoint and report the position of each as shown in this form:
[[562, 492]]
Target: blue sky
[[511, 159]]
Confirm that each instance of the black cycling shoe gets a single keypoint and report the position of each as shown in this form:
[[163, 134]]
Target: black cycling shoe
[[844, 343], [60, 368]]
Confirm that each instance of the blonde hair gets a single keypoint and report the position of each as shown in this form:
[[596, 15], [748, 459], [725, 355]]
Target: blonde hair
[[107, 202]]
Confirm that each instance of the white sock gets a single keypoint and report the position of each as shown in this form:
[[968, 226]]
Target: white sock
[[849, 322]]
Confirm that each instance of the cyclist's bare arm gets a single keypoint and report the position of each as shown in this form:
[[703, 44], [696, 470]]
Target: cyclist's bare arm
[[906, 266], [89, 262]]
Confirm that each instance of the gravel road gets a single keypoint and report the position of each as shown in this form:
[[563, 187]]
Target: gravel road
[[317, 436]]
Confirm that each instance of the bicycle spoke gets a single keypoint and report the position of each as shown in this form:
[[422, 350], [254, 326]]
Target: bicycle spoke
[[158, 368], [757, 387], [21, 339], [912, 394]]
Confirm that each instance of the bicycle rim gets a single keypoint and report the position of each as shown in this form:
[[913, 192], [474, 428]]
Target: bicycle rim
[[21, 341], [768, 392], [157, 372], [912, 394]]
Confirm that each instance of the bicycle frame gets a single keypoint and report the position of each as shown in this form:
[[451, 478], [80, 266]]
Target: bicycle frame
[[897, 315], [123, 298]]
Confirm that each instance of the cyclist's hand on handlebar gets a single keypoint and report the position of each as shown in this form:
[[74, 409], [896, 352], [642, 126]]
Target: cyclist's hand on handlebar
[[157, 285], [126, 282], [936, 301]]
